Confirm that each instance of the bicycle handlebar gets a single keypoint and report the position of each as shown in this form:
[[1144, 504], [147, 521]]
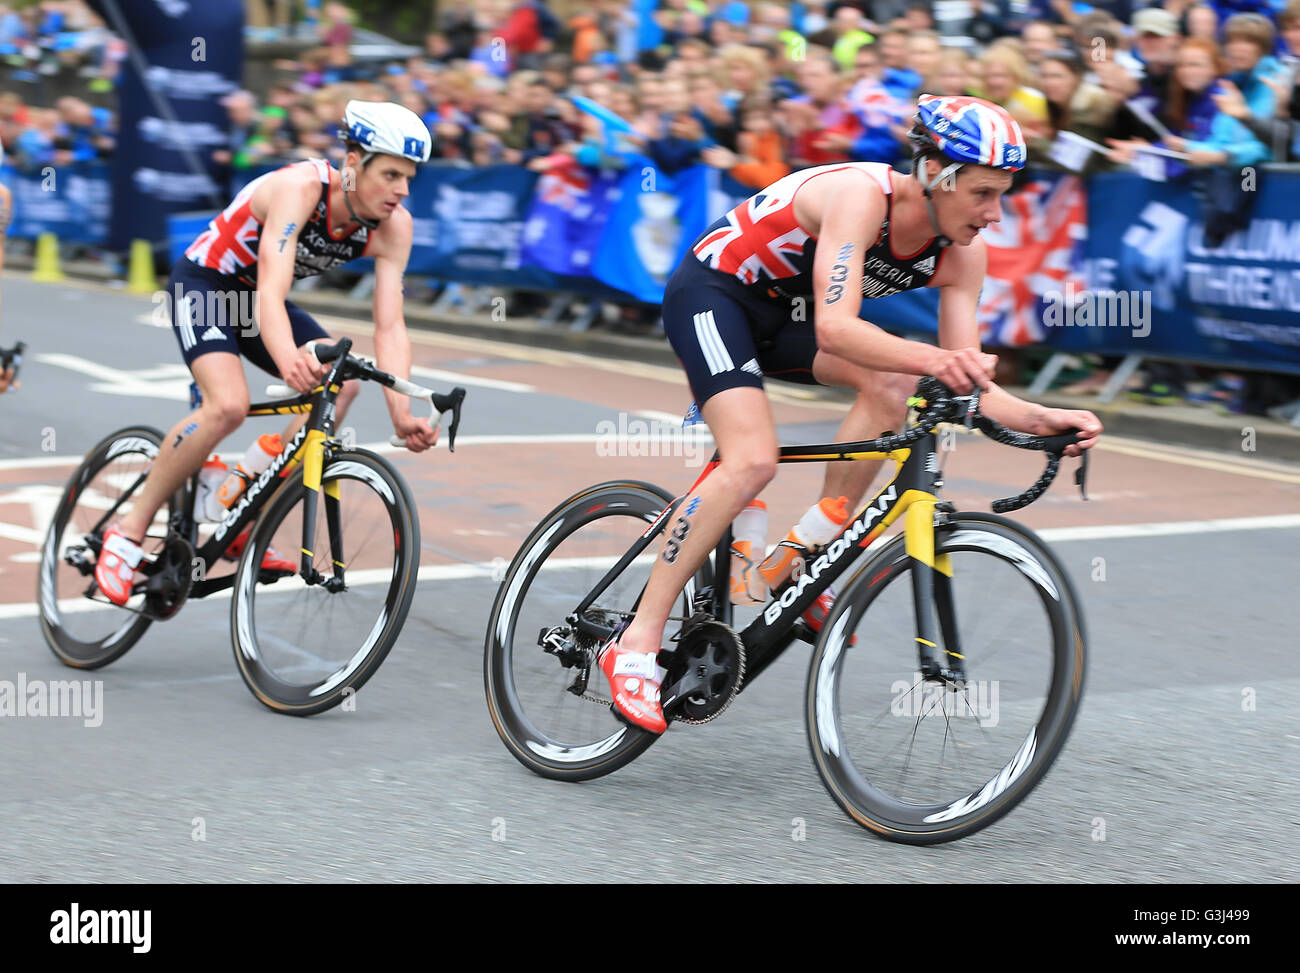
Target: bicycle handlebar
[[943, 405], [353, 366]]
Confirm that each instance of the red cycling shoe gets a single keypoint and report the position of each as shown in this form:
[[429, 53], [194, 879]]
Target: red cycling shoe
[[119, 556], [634, 679], [272, 560]]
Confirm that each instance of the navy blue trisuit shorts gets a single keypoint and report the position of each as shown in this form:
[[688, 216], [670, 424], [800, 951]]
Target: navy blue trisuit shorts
[[216, 316], [727, 338]]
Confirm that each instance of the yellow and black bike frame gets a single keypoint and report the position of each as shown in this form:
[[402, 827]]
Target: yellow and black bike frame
[[308, 447], [912, 494]]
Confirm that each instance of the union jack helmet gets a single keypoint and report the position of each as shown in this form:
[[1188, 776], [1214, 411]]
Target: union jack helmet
[[968, 130]]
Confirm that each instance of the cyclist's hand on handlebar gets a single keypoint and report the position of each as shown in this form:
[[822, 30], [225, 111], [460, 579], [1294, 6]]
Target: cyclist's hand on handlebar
[[1080, 421], [963, 368], [304, 372], [419, 433]]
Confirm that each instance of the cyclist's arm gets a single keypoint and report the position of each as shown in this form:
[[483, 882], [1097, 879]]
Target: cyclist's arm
[[851, 218], [392, 251], [959, 328], [291, 198]]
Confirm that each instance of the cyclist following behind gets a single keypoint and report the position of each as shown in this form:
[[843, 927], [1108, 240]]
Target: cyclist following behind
[[298, 221], [733, 313], [6, 212]]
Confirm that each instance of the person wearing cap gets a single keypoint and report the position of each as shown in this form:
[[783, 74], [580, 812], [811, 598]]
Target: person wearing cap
[[1156, 40], [1155, 44], [228, 297], [775, 287]]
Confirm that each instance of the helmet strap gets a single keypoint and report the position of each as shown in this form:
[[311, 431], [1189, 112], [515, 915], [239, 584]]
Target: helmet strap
[[368, 224], [927, 190], [374, 224]]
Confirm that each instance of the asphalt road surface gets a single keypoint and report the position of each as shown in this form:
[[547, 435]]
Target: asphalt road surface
[[1181, 766]]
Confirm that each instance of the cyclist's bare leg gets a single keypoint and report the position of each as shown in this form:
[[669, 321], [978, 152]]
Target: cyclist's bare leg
[[742, 426], [220, 376], [880, 405]]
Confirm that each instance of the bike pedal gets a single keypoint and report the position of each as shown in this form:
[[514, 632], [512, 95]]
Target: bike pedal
[[628, 723]]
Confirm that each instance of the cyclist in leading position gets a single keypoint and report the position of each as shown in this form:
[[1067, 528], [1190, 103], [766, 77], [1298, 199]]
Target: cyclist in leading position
[[296, 222], [732, 312]]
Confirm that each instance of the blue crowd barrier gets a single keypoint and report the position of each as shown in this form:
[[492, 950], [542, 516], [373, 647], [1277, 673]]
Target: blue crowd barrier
[[1158, 290], [1143, 283]]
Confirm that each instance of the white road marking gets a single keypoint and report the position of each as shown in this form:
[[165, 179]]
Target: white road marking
[[1118, 531], [171, 382], [457, 378], [460, 572]]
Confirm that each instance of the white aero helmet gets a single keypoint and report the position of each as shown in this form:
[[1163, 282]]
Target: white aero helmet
[[383, 128]]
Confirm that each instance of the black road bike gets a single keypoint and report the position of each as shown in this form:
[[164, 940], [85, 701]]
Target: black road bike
[[942, 685], [302, 640]]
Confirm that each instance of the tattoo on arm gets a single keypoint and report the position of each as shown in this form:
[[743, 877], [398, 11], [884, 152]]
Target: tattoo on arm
[[284, 238], [839, 273]]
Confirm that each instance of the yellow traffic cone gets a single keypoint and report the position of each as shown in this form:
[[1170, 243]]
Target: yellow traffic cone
[[140, 278], [47, 268]]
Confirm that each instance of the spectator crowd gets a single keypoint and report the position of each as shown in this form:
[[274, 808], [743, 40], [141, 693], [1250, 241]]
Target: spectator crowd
[[759, 89]]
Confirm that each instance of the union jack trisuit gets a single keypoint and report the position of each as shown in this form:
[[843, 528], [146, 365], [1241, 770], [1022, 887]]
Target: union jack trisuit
[[738, 306]]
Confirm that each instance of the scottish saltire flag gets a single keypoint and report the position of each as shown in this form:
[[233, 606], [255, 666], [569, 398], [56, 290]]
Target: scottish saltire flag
[[570, 207], [1033, 253], [655, 219]]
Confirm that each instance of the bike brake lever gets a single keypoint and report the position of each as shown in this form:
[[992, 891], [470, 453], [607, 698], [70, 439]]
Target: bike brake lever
[[452, 401], [1081, 474]]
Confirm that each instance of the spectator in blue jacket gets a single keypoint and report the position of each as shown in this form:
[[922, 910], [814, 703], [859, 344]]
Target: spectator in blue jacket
[[1247, 46], [681, 136], [1209, 136], [89, 129]]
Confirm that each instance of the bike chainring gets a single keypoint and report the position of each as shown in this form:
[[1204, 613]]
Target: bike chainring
[[169, 584], [705, 672]]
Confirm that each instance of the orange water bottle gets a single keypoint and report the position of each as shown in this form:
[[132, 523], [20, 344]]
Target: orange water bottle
[[817, 527], [748, 543], [259, 456]]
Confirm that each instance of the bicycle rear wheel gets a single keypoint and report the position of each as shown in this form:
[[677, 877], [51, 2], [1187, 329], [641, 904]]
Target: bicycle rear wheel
[[922, 763], [550, 703], [303, 648], [83, 633]]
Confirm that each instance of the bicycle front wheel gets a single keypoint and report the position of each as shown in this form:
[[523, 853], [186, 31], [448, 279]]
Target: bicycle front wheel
[[303, 648], [548, 699], [923, 762], [81, 632]]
